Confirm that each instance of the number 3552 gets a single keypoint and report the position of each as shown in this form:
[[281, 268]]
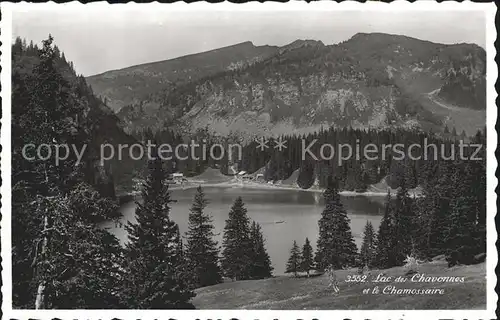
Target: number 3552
[[356, 278]]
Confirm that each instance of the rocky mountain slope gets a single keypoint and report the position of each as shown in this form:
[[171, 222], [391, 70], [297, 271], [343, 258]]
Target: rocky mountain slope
[[135, 84], [371, 80]]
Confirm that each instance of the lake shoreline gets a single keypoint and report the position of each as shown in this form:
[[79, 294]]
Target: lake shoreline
[[284, 215], [252, 185], [131, 196]]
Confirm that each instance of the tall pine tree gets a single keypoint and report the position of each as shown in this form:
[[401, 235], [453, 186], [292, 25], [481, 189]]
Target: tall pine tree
[[336, 245], [60, 258], [404, 221], [294, 261], [368, 246], [201, 250], [307, 263], [154, 260], [384, 257], [261, 262], [237, 251]]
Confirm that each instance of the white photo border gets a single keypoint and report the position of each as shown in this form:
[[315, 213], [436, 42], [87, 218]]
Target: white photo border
[[489, 10]]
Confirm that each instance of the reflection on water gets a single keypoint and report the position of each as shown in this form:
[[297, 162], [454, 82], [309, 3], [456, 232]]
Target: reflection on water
[[285, 215]]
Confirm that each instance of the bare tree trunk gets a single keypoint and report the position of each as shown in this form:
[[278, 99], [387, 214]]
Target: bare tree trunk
[[39, 296], [39, 301]]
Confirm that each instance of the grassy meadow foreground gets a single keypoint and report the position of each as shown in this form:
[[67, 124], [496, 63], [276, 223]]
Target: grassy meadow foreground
[[313, 293]]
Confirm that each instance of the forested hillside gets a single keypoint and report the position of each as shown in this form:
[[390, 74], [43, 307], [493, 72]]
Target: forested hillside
[[354, 173], [88, 119], [60, 257]]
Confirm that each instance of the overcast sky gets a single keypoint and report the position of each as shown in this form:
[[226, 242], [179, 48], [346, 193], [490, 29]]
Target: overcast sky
[[97, 41]]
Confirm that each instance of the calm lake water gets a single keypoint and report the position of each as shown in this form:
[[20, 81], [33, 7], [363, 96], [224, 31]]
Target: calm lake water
[[300, 211]]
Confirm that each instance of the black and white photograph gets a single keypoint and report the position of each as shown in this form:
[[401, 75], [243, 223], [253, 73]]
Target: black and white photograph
[[261, 158]]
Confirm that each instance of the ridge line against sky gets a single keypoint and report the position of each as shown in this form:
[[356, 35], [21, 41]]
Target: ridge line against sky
[[97, 42]]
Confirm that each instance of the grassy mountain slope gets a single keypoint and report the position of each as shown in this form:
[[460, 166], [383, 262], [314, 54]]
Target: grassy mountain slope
[[287, 293]]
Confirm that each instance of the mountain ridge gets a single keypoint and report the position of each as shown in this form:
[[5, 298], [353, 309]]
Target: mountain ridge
[[383, 79], [153, 76], [243, 43]]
